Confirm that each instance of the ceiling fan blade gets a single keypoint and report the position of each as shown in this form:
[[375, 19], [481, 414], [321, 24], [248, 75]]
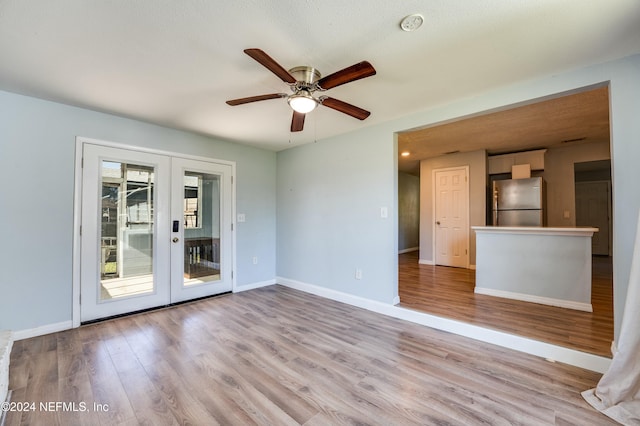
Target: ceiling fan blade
[[269, 63], [345, 108], [297, 121], [347, 75], [240, 101]]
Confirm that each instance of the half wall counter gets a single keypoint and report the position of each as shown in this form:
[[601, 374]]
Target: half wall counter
[[544, 265]]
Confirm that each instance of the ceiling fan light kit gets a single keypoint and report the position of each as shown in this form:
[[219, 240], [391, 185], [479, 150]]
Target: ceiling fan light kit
[[302, 102], [304, 81]]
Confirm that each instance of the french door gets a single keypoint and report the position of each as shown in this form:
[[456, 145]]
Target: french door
[[156, 230]]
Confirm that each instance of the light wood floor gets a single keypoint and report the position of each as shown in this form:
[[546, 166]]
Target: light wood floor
[[448, 292], [276, 356]]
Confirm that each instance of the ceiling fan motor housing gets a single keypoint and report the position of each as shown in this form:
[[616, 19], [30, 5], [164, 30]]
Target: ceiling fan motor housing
[[306, 77]]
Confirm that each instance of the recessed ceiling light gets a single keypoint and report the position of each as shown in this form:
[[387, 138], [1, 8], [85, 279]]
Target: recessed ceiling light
[[411, 22], [405, 153]]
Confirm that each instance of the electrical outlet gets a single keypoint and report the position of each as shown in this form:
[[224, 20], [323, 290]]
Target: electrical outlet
[[241, 217], [358, 274]]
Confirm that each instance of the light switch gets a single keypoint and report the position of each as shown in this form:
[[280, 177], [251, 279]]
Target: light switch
[[384, 212]]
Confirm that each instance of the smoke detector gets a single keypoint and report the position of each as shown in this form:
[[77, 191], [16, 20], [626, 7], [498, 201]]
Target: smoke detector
[[411, 22]]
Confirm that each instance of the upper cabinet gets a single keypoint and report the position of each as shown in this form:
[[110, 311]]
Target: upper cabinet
[[502, 163]]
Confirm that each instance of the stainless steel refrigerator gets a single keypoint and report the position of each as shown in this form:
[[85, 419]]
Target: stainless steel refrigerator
[[518, 202]]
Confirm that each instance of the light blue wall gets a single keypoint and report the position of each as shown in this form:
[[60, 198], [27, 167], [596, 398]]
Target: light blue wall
[[330, 196], [37, 154], [329, 193]]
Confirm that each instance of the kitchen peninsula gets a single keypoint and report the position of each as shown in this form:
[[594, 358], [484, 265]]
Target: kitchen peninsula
[[544, 265]]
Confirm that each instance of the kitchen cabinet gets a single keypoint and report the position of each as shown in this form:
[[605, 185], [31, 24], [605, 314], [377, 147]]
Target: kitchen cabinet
[[499, 164]]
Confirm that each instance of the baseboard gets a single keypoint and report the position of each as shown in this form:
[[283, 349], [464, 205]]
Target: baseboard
[[252, 286], [472, 267], [338, 296], [66, 325], [42, 330], [569, 304], [408, 250], [396, 301], [426, 262], [522, 344]]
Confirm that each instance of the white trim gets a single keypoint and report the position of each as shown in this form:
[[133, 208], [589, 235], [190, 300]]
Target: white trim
[[234, 224], [396, 301], [81, 139], [426, 262], [77, 212], [535, 230], [77, 221], [42, 330], [408, 250], [570, 304], [433, 208], [252, 286], [522, 344]]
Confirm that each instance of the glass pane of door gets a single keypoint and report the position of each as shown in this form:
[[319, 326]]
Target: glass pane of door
[[125, 236], [126, 231], [201, 221], [201, 260]]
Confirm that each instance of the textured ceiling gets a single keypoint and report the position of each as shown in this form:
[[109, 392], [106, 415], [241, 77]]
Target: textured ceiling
[[571, 118], [175, 62]]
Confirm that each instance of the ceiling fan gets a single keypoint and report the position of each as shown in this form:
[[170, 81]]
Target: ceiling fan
[[304, 82]]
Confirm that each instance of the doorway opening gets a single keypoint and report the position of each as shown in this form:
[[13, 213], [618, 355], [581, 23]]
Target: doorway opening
[[573, 128]]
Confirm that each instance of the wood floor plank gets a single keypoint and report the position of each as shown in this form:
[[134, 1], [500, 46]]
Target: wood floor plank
[[280, 356], [449, 292], [107, 389]]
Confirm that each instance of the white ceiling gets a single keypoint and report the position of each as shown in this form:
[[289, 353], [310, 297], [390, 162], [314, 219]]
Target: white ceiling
[[175, 62]]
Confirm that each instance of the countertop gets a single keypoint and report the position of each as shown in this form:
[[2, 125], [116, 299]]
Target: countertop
[[576, 231]]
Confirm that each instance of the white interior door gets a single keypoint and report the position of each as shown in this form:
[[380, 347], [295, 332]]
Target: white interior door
[[130, 258], [201, 229], [451, 207]]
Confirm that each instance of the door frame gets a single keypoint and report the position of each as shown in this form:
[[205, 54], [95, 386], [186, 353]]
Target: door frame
[[77, 210], [433, 210], [609, 209]]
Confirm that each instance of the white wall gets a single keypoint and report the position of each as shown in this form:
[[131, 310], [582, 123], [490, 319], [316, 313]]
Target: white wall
[[329, 193], [37, 153]]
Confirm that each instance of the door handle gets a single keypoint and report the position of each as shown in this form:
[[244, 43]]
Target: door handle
[[175, 239], [437, 222]]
